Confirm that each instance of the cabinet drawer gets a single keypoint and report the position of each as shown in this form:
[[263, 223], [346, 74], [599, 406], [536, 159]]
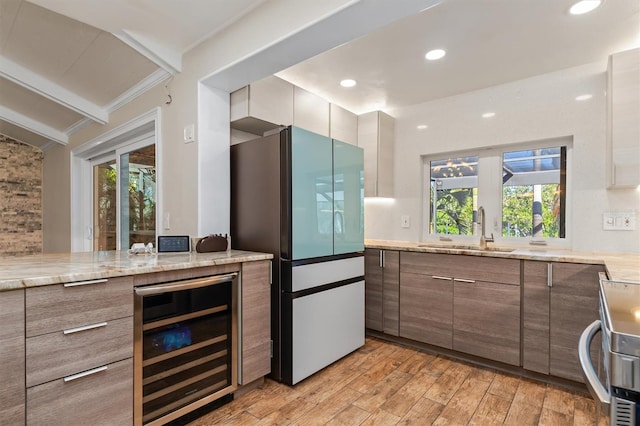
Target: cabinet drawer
[[58, 307], [429, 263], [105, 398], [55, 355], [492, 269]]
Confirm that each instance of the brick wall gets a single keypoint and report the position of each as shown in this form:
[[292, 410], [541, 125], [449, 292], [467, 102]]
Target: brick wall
[[20, 197]]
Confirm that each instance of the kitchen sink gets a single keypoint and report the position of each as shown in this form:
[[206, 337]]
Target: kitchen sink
[[468, 247]]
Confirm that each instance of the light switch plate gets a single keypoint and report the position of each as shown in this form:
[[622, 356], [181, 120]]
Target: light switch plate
[[405, 221], [619, 220], [189, 133]]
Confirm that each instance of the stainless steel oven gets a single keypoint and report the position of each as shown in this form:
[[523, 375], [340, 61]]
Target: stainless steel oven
[[185, 346], [619, 323]]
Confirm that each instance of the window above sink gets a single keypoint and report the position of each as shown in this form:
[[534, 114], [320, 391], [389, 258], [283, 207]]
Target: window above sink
[[523, 188]]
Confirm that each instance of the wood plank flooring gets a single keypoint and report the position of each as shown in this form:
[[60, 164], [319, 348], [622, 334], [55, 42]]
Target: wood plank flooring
[[387, 384]]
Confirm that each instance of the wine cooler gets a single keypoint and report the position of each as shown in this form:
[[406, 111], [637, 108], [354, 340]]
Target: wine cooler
[[185, 344]]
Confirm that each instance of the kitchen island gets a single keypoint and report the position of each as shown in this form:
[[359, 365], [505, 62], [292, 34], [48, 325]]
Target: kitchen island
[[67, 340], [45, 269]]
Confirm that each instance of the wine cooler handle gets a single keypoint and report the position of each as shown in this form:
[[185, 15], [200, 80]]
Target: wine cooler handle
[[185, 285]]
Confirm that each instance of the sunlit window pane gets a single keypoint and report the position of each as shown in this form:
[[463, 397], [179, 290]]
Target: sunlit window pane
[[453, 195], [104, 206], [533, 193]]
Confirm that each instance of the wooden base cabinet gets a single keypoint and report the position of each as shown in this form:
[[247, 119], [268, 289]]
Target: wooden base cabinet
[[426, 313], [79, 348], [382, 290], [256, 321], [486, 320], [560, 301], [12, 402], [426, 298]]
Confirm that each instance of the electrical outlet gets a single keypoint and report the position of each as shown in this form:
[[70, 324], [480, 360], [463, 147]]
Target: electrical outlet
[[405, 221]]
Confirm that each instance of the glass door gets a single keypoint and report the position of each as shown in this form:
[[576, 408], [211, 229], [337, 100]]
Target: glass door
[[104, 205], [124, 197], [311, 195], [137, 196], [348, 198]]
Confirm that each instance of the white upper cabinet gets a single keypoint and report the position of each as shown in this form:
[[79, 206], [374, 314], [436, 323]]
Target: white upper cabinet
[[310, 112], [344, 125], [273, 102], [623, 136], [262, 106], [375, 136]]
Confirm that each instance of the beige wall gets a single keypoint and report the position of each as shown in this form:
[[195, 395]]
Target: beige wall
[[20, 198]]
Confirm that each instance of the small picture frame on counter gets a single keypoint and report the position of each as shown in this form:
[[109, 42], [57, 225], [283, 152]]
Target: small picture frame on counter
[[173, 244]]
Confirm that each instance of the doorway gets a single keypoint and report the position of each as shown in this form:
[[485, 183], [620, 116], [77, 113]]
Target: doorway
[[115, 188]]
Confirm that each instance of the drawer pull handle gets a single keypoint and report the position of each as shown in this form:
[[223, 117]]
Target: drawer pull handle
[[84, 374], [438, 277], [77, 283], [462, 280], [84, 328]]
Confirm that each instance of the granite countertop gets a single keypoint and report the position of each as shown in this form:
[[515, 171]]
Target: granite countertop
[[44, 269], [620, 266]]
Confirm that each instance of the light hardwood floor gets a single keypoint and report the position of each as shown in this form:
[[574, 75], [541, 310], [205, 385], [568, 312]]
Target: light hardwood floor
[[387, 384]]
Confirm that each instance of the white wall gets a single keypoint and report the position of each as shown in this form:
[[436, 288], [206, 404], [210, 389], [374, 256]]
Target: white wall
[[273, 36], [541, 107], [182, 191]]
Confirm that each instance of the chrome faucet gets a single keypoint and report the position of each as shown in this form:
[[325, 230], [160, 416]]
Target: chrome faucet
[[481, 220]]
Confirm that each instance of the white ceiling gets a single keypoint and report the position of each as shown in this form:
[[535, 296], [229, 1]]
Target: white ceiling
[[67, 63], [488, 42], [64, 64]]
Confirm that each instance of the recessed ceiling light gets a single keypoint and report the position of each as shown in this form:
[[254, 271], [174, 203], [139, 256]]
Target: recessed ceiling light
[[584, 6], [488, 114], [584, 97], [348, 83], [421, 126], [432, 55]]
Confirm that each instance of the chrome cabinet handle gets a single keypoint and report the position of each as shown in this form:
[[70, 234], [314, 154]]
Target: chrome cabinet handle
[[84, 328], [438, 277], [596, 388], [89, 282], [381, 262], [84, 374], [549, 274], [462, 280]]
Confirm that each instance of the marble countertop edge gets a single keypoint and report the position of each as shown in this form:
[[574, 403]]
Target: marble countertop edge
[[39, 270], [619, 266]]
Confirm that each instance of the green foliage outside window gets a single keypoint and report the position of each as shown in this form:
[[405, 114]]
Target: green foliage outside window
[[454, 211], [517, 205]]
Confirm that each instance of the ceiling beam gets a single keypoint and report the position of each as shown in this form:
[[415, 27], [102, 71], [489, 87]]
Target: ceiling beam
[[50, 90], [33, 126], [163, 56]]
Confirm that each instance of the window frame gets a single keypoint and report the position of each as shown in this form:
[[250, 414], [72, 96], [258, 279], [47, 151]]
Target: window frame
[[490, 193]]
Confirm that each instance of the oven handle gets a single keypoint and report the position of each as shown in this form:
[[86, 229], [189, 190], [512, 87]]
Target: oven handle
[[185, 284], [597, 390]]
